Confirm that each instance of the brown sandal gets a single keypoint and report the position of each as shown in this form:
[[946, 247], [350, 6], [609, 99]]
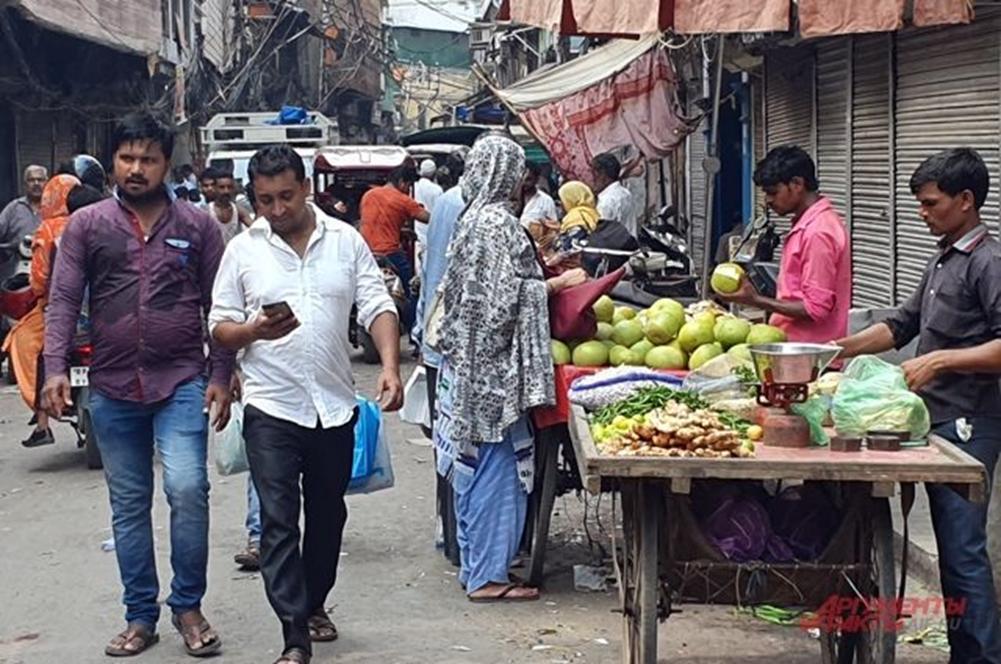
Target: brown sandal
[[321, 627], [196, 630], [294, 656], [135, 633], [507, 594]]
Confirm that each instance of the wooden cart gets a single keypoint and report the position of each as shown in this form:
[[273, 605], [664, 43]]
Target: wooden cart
[[656, 567]]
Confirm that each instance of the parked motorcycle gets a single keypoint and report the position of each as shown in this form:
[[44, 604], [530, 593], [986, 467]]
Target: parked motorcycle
[[16, 297], [79, 416], [756, 254]]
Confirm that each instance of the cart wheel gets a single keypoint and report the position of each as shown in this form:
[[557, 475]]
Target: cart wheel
[[876, 643], [641, 506]]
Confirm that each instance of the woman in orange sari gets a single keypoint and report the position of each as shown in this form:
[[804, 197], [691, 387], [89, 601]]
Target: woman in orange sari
[[24, 343]]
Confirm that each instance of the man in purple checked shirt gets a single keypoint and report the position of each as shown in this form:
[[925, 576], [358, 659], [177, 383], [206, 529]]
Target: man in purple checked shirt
[[149, 261]]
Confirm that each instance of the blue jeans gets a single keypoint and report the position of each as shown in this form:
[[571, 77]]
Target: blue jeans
[[127, 434], [253, 513], [961, 533], [402, 264]]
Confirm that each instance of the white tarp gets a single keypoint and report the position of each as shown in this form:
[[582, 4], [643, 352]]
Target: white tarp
[[549, 85]]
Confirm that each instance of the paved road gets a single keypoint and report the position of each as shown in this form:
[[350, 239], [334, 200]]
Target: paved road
[[397, 599]]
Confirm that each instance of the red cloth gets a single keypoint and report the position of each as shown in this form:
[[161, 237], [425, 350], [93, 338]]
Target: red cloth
[[634, 107], [565, 376]]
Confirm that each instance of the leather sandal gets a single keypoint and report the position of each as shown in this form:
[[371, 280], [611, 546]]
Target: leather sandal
[[136, 634]]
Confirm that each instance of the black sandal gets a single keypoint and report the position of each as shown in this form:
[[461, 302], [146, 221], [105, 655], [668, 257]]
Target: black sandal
[[321, 627], [294, 656]]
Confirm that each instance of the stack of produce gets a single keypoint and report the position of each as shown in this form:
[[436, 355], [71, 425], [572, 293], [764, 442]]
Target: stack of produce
[[665, 336], [672, 423]]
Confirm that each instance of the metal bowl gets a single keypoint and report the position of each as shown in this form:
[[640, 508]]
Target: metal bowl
[[791, 363]]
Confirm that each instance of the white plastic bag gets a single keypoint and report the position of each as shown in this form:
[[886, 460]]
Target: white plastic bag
[[415, 399], [230, 449]]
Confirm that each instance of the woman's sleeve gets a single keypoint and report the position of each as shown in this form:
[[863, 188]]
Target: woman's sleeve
[[41, 260]]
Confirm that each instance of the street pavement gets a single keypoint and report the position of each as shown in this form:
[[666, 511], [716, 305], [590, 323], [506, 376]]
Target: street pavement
[[396, 601]]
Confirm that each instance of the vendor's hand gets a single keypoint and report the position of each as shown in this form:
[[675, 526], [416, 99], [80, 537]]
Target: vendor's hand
[[745, 294], [269, 328], [57, 395], [923, 369], [389, 390]]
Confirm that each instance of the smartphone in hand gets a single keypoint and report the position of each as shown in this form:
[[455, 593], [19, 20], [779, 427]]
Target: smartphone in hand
[[277, 310]]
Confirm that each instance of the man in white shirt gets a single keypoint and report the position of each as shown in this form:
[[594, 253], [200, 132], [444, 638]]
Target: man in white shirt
[[426, 191], [615, 202], [537, 205], [284, 294]]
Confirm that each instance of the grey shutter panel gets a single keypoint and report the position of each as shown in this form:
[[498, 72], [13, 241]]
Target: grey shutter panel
[[789, 97], [697, 190], [947, 97], [833, 97], [34, 133], [871, 213]]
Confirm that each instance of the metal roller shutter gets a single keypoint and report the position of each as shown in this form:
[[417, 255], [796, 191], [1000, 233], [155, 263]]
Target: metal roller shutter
[[789, 99], [696, 190], [947, 96], [871, 203], [34, 140], [833, 100]]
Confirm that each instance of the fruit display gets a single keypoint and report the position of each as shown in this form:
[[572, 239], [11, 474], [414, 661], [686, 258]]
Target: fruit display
[[666, 336], [660, 421]]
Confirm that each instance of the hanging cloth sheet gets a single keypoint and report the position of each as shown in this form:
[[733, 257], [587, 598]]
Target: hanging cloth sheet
[[821, 18], [942, 12], [714, 16]]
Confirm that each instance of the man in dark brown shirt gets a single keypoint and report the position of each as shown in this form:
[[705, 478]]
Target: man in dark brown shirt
[[956, 316]]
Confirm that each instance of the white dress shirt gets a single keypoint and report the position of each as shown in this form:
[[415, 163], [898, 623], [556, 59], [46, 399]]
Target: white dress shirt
[[426, 193], [539, 207], [307, 374], [615, 203]]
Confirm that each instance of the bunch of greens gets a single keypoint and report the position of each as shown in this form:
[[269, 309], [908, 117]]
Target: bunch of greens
[[652, 398]]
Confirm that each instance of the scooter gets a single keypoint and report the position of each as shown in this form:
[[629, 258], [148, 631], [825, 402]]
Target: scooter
[[16, 297]]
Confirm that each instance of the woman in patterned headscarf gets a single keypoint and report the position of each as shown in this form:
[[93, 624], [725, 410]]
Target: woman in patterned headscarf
[[494, 341]]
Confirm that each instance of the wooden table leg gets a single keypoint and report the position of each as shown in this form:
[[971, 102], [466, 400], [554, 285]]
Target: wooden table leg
[[550, 450], [651, 507]]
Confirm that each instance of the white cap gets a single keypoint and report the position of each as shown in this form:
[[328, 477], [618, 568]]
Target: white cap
[[428, 168]]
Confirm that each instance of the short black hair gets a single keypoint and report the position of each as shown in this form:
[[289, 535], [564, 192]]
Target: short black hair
[[405, 173], [143, 126], [954, 171], [223, 174], [210, 173], [533, 168], [784, 163], [248, 190], [455, 162], [274, 160], [608, 165], [181, 192], [81, 196]]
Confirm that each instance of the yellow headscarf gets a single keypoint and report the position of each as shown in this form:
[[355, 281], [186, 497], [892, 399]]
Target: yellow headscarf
[[578, 201]]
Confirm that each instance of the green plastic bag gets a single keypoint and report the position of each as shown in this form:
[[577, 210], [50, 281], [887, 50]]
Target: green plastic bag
[[814, 411], [873, 396]]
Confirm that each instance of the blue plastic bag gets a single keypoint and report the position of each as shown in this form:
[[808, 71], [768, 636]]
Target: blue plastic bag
[[291, 115], [372, 468]]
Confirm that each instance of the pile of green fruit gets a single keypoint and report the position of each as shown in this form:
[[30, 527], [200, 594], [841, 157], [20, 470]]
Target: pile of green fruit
[[662, 337]]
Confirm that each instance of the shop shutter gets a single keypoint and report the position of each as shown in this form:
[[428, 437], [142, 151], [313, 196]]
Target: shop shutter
[[833, 98], [697, 191], [789, 106], [947, 96], [34, 140], [758, 138], [871, 202]]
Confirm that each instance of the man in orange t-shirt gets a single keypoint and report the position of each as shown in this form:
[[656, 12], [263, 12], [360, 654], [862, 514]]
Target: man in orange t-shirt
[[385, 211]]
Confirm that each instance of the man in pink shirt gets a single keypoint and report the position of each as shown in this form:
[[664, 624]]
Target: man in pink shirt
[[815, 278]]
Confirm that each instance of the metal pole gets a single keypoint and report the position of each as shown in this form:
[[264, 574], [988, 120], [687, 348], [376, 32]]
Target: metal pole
[[711, 166]]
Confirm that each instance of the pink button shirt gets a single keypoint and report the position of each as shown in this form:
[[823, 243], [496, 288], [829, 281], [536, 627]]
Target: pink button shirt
[[816, 269]]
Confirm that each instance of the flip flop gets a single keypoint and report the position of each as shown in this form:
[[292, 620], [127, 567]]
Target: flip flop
[[134, 633], [504, 596], [321, 628]]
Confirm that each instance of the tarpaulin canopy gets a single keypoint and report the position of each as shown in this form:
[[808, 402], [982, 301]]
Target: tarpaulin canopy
[[622, 94], [817, 18]]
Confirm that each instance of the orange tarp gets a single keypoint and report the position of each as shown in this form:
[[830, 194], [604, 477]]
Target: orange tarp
[[942, 12], [821, 18], [704, 16]]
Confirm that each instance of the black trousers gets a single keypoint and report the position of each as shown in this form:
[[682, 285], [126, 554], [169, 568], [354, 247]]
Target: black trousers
[[280, 453]]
